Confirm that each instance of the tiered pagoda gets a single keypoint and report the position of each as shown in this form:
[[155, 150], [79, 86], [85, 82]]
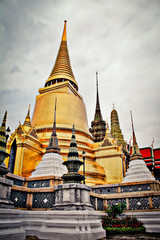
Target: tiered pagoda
[[115, 127], [29, 149], [98, 126]]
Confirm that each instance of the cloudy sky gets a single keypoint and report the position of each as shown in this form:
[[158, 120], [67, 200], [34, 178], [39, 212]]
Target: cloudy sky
[[119, 39]]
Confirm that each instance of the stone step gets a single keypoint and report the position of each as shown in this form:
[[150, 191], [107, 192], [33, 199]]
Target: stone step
[[13, 234], [151, 220], [155, 228], [9, 224], [47, 225]]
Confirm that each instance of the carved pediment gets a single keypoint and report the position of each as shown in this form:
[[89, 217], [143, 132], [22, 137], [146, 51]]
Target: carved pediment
[[19, 130], [33, 133], [106, 142]]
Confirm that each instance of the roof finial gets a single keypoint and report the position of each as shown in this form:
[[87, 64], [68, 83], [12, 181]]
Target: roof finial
[[27, 121], [113, 106], [107, 124], [64, 36], [28, 114]]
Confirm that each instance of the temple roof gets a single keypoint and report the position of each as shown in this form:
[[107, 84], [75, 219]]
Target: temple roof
[[62, 67]]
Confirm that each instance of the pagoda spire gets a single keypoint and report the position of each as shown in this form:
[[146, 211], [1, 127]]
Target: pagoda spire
[[98, 126], [62, 70], [134, 137], [73, 163], [3, 134], [73, 151], [27, 121], [135, 149], [53, 143], [98, 115]]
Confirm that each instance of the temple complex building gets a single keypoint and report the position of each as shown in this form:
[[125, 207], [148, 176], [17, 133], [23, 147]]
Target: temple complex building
[[28, 148], [105, 158]]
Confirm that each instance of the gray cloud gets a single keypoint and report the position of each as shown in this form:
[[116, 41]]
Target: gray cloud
[[120, 39]]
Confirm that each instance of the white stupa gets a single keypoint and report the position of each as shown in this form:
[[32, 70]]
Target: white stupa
[[137, 170], [51, 164]]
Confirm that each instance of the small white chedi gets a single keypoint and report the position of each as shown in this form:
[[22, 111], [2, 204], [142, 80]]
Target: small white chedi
[[51, 163], [137, 170]]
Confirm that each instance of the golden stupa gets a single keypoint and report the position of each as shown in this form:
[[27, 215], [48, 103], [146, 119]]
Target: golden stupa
[[29, 141]]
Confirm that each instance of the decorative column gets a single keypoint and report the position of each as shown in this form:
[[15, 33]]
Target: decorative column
[[72, 195]]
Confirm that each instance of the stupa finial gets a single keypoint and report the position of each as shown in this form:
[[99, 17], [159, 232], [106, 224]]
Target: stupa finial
[[134, 137], [64, 35], [135, 148], [53, 142], [62, 70]]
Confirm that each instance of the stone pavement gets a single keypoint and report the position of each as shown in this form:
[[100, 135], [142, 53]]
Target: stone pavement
[[140, 236]]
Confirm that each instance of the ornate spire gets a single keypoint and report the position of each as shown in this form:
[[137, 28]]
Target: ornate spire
[[62, 70], [73, 163], [135, 149], [73, 151], [115, 127], [98, 126], [3, 134], [98, 115], [53, 143], [27, 121]]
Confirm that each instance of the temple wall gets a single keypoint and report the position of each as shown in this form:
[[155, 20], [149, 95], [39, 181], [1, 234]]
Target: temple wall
[[110, 158]]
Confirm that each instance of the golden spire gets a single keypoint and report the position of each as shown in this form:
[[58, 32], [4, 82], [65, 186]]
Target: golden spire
[[62, 69], [64, 36], [27, 121]]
